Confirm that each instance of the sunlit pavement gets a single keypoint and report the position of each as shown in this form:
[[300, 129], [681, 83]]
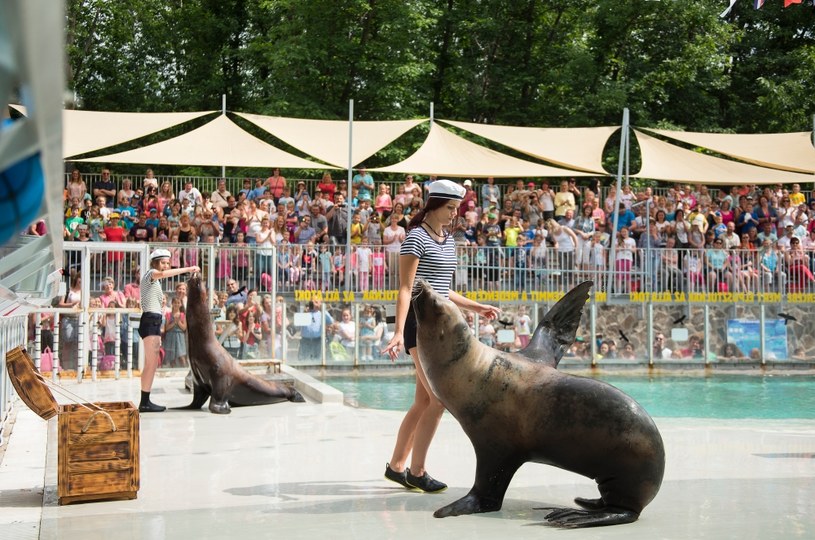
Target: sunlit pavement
[[315, 471]]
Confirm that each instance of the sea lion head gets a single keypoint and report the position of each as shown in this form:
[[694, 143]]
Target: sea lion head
[[441, 327], [196, 290]]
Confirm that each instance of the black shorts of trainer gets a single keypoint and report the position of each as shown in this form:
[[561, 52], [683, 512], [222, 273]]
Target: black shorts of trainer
[[150, 325]]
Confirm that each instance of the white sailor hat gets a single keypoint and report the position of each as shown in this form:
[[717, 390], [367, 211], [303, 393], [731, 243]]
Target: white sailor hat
[[160, 254], [446, 189]]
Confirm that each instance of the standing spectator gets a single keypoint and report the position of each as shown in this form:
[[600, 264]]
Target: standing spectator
[[312, 333], [564, 200], [392, 238], [410, 185], [364, 183], [275, 185], [626, 249], [149, 179], [141, 232], [264, 257], [110, 298], [105, 188], [490, 191], [114, 231], [327, 187], [302, 199], [175, 335], [523, 326], [347, 332], [305, 232], [363, 254], [191, 194], [125, 193], [235, 294], [76, 186], [220, 196], [319, 223], [547, 202]]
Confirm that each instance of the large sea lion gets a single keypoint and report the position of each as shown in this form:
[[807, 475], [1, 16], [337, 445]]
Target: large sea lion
[[517, 408], [215, 373]]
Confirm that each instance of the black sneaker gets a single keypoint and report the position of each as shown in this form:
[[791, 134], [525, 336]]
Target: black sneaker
[[151, 407], [398, 477], [425, 482]]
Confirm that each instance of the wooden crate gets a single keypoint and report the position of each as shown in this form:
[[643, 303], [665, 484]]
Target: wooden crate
[[98, 442], [95, 461]]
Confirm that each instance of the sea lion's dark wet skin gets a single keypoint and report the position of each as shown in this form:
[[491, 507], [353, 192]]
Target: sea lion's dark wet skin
[[517, 408], [215, 374]]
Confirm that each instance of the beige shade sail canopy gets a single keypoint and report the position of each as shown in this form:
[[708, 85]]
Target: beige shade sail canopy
[[220, 142], [327, 140], [664, 161], [446, 154], [788, 151], [577, 148], [87, 131]]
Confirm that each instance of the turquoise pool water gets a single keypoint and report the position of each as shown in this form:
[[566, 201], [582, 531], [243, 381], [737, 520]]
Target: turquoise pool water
[[721, 396]]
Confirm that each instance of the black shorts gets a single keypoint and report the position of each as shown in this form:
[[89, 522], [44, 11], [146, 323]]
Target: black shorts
[[409, 333], [150, 325]]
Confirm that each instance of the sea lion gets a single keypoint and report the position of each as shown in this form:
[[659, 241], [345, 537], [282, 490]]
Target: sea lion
[[516, 407], [215, 373]]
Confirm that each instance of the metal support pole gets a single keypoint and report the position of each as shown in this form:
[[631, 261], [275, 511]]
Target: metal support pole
[[117, 346], [762, 319], [322, 334], [616, 220], [223, 112], [349, 197], [705, 340], [593, 330], [273, 345], [356, 337], [650, 332]]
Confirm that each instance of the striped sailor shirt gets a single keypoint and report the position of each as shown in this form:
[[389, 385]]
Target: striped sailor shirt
[[437, 260], [152, 296]]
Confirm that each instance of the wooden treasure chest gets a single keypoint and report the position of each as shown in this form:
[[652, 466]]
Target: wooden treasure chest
[[98, 442]]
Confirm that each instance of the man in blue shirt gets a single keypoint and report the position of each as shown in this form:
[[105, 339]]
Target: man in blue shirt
[[311, 334], [627, 217], [364, 183]]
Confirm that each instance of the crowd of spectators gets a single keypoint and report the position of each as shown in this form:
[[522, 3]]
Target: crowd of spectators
[[734, 238]]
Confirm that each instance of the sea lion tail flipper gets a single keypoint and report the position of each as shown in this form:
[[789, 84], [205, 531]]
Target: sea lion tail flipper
[[571, 518], [557, 329]]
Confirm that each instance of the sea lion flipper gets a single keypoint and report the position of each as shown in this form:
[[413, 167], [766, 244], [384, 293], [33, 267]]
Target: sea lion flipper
[[200, 394], [572, 518], [557, 329]]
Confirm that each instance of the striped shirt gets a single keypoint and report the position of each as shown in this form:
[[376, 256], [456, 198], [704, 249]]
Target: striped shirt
[[437, 261], [151, 294]]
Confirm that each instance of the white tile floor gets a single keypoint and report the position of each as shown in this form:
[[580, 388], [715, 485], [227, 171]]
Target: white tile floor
[[315, 471]]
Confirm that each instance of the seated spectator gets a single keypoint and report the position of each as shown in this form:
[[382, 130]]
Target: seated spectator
[[731, 351]]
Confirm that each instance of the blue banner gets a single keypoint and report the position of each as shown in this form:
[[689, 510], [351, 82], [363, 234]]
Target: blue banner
[[745, 333]]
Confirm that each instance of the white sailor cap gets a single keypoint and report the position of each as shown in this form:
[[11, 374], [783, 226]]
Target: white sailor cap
[[446, 189], [160, 254]]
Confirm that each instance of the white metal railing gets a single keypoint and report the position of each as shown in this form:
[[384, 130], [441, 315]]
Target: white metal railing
[[489, 274], [12, 334]]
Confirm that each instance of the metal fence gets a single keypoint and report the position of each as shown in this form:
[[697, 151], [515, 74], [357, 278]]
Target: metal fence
[[682, 281], [12, 334]]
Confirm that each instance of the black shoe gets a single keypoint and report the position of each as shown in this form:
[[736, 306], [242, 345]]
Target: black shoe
[[425, 482], [398, 477], [151, 407]]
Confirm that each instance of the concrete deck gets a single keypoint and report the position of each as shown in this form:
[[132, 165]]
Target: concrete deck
[[315, 471]]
